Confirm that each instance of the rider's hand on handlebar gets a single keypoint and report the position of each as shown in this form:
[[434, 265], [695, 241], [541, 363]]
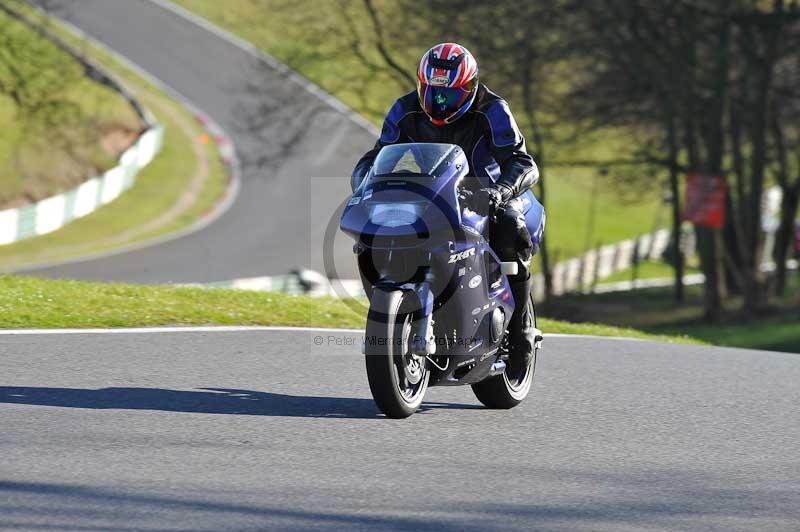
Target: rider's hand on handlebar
[[486, 201]]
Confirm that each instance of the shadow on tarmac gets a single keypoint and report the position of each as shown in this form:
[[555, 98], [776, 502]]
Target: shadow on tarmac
[[204, 401], [666, 501]]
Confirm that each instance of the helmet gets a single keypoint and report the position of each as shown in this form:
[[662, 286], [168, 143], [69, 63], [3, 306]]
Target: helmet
[[447, 80]]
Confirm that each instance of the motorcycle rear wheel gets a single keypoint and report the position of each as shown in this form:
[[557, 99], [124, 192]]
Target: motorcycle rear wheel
[[397, 379], [508, 389]]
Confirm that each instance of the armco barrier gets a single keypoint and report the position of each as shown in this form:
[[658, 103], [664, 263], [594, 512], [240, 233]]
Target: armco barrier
[[54, 212]]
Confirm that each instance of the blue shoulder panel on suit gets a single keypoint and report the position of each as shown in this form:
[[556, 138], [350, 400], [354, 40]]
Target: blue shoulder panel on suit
[[504, 129], [391, 124]]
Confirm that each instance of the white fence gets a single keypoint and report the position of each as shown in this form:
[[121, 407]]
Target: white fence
[[582, 272]]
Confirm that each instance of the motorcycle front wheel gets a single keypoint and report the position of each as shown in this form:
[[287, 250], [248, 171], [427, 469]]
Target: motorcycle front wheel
[[397, 378]]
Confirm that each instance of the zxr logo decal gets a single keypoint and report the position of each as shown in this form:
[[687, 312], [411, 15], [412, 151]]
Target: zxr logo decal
[[461, 256]]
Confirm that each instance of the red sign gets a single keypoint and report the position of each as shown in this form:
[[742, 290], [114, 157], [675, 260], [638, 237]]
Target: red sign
[[705, 200]]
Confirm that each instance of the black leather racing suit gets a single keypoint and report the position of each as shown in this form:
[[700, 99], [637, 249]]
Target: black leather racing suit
[[496, 152]]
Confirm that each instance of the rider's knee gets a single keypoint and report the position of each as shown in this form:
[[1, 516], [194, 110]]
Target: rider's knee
[[511, 240], [513, 233]]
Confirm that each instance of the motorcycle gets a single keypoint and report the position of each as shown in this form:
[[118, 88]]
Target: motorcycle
[[439, 299]]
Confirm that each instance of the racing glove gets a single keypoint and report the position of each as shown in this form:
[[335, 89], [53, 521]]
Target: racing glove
[[487, 200]]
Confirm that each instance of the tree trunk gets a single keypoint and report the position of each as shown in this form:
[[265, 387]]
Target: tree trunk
[[529, 104], [790, 189], [711, 264], [709, 240], [784, 237], [677, 252], [548, 276], [755, 287]]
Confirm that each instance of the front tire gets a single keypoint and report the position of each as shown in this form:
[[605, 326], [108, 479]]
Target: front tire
[[510, 388], [397, 378]]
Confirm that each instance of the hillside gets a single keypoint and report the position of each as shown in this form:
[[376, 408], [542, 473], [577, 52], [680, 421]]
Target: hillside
[[53, 117]]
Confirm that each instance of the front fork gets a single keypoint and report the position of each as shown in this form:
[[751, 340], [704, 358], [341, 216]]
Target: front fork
[[422, 329]]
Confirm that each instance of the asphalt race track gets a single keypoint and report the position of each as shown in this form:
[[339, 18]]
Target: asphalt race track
[[265, 430], [279, 219]]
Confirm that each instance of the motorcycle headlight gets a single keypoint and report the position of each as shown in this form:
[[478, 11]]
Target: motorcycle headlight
[[395, 214]]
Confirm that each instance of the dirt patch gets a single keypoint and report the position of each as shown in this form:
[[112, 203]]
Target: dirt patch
[[115, 139]]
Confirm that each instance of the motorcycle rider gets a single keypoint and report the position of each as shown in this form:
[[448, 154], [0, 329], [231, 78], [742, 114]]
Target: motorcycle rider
[[451, 106]]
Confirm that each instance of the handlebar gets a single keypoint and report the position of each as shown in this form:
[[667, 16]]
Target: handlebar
[[465, 200], [465, 197]]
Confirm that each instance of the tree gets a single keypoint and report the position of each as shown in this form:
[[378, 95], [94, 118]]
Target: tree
[[637, 73], [696, 79], [785, 132]]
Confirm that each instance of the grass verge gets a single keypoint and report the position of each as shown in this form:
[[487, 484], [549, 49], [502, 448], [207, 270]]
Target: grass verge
[[655, 311], [158, 187], [30, 302]]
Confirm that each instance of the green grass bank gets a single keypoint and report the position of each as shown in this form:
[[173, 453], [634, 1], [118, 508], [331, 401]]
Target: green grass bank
[[654, 310], [30, 302], [57, 127]]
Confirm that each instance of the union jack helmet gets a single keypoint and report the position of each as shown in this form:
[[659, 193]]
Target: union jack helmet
[[447, 80]]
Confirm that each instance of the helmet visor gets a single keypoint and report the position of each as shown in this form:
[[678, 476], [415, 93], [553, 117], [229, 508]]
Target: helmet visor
[[443, 102]]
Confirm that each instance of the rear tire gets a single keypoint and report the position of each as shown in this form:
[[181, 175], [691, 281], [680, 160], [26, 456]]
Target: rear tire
[[397, 379], [507, 391]]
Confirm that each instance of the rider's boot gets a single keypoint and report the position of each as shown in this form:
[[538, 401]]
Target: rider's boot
[[521, 330]]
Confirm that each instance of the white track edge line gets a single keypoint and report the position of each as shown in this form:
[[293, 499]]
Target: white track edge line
[[230, 194], [242, 328]]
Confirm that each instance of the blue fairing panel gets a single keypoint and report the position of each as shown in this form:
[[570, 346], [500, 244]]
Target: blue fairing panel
[[534, 216], [391, 129], [504, 128]]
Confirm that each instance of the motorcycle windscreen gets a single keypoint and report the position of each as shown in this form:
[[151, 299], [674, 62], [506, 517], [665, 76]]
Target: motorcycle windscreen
[[420, 160]]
